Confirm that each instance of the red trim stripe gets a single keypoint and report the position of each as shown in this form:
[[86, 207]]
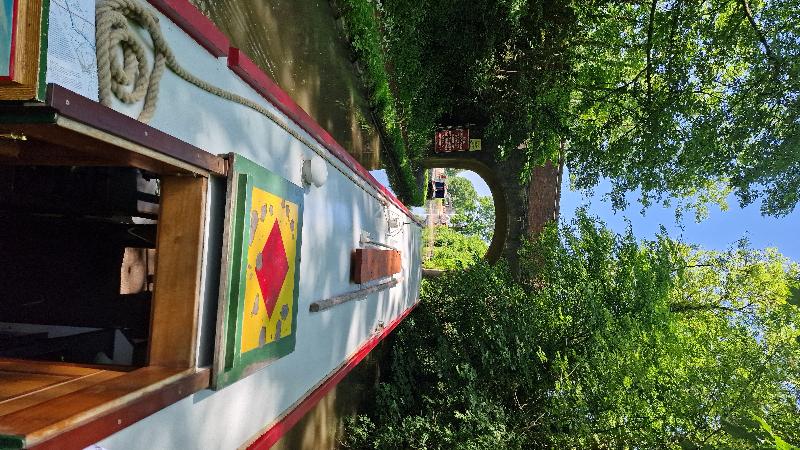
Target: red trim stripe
[[280, 428], [206, 33], [195, 24]]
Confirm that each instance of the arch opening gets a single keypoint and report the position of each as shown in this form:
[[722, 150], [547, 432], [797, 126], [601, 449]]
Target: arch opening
[[492, 180]]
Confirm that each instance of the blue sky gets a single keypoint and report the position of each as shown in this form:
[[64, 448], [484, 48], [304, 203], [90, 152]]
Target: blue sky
[[719, 231]]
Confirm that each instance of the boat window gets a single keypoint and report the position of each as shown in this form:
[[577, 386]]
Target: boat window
[[100, 271]]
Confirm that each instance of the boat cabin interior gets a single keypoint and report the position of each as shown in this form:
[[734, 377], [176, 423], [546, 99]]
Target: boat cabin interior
[[100, 273], [78, 256]]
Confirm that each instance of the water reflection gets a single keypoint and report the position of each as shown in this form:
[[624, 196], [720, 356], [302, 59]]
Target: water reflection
[[299, 45]]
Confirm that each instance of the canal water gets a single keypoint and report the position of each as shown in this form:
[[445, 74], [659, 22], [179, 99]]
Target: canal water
[[298, 43]]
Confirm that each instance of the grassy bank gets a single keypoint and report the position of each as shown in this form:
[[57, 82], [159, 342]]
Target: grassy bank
[[402, 161]]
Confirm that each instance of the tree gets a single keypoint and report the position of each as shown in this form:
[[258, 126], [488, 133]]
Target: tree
[[692, 99], [681, 99], [474, 215], [615, 344]]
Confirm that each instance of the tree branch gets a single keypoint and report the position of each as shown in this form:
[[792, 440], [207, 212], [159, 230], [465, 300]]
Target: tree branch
[[649, 46], [761, 37], [686, 307]]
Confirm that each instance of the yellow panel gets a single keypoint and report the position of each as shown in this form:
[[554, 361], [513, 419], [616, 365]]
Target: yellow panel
[[258, 327]]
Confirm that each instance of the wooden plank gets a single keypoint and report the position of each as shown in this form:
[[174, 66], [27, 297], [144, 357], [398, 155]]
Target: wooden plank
[[33, 133], [55, 144], [176, 299], [328, 303], [370, 264], [34, 152], [105, 424], [24, 83], [15, 384], [105, 119], [57, 390], [50, 418], [45, 368]]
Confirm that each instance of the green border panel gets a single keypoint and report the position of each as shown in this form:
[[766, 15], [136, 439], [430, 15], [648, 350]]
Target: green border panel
[[247, 175]]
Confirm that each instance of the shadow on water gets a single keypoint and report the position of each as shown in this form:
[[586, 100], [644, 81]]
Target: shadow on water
[[322, 428], [298, 44]]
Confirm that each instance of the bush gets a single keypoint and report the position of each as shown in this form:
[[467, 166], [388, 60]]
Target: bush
[[453, 250], [601, 346]]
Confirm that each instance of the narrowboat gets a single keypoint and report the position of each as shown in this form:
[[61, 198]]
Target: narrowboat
[[187, 259]]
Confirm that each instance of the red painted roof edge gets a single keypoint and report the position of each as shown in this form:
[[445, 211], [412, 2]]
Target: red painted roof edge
[[267, 88], [282, 426], [195, 24]]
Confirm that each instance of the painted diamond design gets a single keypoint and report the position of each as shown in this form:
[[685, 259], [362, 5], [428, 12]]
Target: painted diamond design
[[273, 268]]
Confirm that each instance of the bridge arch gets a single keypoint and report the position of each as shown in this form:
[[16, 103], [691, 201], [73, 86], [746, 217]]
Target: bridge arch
[[491, 177]]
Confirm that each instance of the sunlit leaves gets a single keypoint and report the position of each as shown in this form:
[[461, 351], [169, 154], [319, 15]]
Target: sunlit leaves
[[717, 106], [614, 344]]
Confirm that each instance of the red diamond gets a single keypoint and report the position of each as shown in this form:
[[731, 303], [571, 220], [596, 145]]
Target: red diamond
[[271, 272]]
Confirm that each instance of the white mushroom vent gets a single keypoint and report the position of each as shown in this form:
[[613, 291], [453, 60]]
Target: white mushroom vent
[[315, 171]]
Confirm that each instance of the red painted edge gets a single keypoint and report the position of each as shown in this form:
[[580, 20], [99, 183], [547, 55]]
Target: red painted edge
[[12, 53], [251, 74], [280, 428], [195, 24]]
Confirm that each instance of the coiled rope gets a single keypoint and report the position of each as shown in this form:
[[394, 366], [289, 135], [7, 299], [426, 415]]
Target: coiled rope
[[131, 80]]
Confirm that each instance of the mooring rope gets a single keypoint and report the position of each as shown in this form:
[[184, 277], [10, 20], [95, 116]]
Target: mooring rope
[[131, 80]]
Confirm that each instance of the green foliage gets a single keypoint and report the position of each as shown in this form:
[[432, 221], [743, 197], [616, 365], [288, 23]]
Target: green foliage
[[401, 165], [453, 250], [692, 100], [688, 98], [612, 344], [486, 62], [474, 215]]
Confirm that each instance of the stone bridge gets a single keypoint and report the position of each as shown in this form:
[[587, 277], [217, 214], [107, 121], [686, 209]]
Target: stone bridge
[[518, 208]]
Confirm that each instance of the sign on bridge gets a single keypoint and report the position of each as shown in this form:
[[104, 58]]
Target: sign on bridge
[[455, 140]]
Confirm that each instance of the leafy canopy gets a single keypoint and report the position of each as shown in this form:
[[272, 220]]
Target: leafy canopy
[[669, 97], [473, 214], [688, 98]]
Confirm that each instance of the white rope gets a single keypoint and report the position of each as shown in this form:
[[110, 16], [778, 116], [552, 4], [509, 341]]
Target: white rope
[[130, 81]]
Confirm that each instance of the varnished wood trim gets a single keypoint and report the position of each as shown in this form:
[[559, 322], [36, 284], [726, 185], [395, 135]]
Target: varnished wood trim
[[176, 299], [371, 264], [43, 367], [104, 119], [82, 417], [50, 392], [24, 84], [105, 424]]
